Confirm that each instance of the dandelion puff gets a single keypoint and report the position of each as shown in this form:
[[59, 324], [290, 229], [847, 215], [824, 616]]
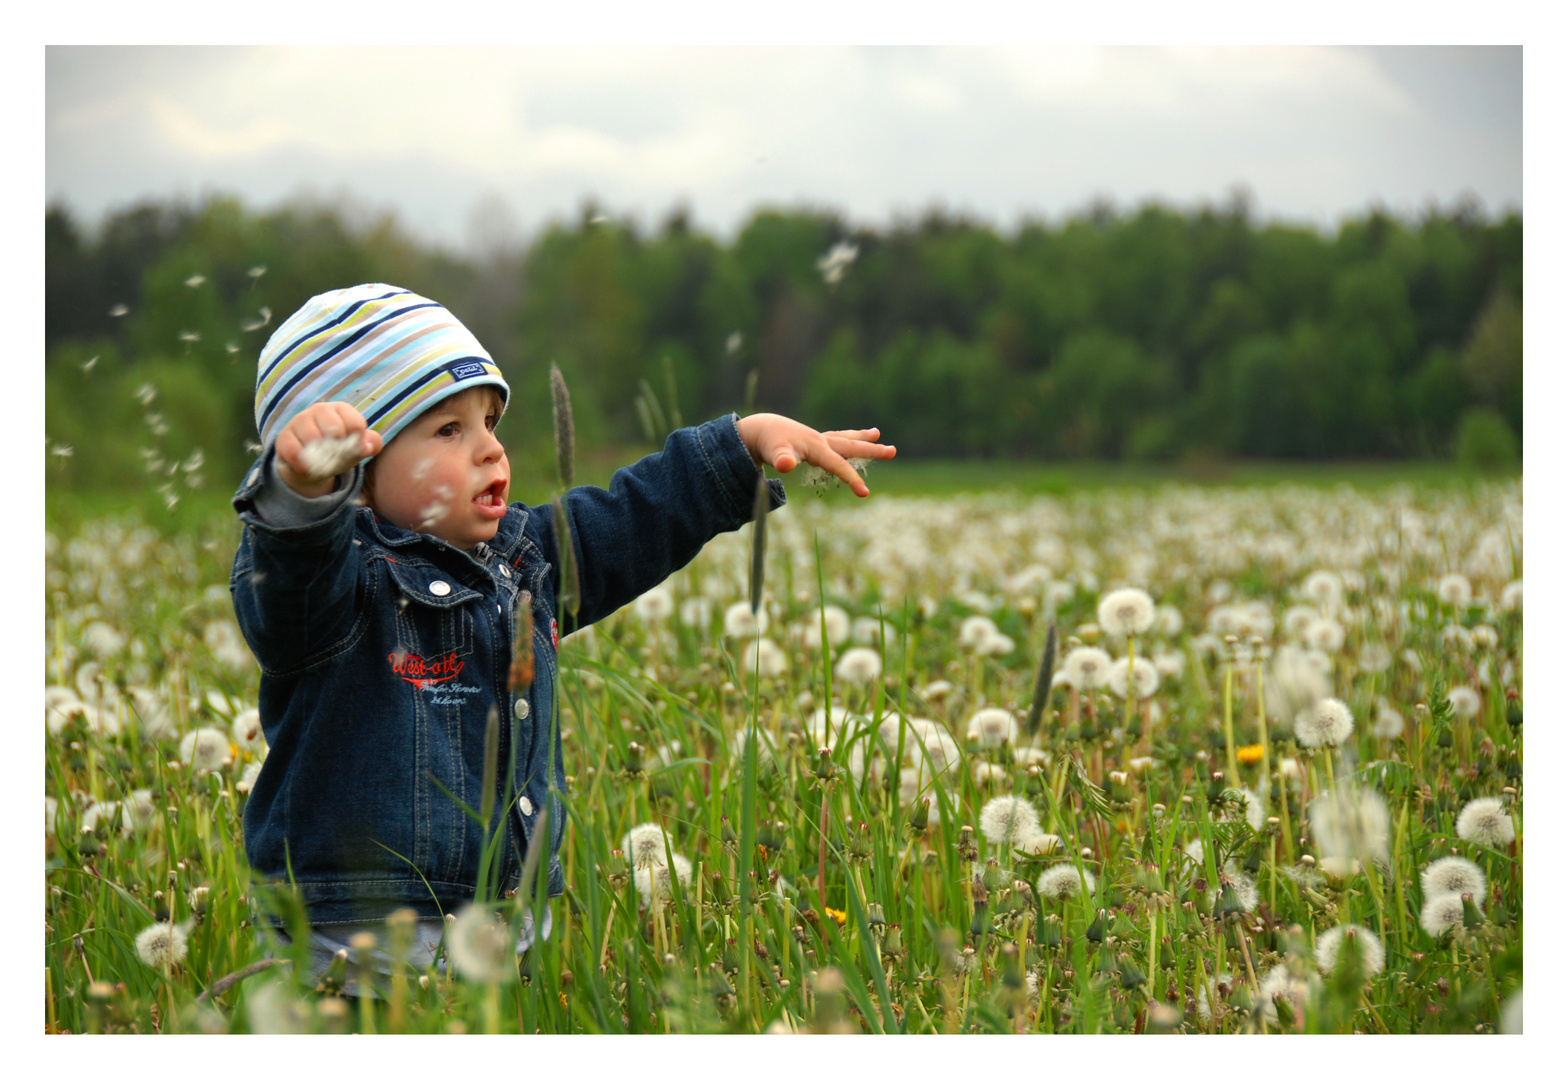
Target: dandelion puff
[[993, 727], [1038, 844], [740, 623], [480, 946], [162, 945], [1440, 913], [1328, 723], [836, 263], [1350, 823], [1485, 821], [764, 656], [1325, 634], [1124, 612], [1368, 945], [1145, 678], [248, 779], [102, 639], [1061, 882], [655, 605], [836, 620], [1323, 588], [246, 731], [696, 611], [1211, 990], [1087, 667], [329, 456], [1241, 885], [1389, 723], [975, 631], [205, 748], [645, 845], [1453, 874], [51, 811], [1454, 589], [1251, 810], [859, 666], [996, 645], [1510, 1018], [653, 881], [1279, 982], [1466, 702], [1513, 596], [1007, 819]]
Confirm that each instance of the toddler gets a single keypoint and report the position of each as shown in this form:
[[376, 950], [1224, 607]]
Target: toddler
[[382, 575]]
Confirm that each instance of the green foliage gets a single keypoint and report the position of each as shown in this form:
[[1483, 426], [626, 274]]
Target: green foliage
[[1485, 441], [1150, 334]]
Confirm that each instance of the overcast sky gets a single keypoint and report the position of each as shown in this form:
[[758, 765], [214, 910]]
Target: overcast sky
[[512, 137]]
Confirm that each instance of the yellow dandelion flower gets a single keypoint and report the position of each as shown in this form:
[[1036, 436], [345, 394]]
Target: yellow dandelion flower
[[837, 916], [1250, 755]]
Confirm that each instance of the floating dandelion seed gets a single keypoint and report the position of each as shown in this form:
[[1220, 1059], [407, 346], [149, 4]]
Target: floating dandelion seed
[[733, 343], [328, 456], [480, 946], [230, 348], [119, 311], [263, 317], [1125, 612], [836, 263], [1007, 820], [162, 945], [89, 365], [61, 450], [1061, 882], [195, 280], [189, 336], [255, 272], [1485, 821], [1328, 723], [1453, 874], [145, 393]]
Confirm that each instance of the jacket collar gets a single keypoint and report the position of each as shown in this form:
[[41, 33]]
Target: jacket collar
[[507, 543]]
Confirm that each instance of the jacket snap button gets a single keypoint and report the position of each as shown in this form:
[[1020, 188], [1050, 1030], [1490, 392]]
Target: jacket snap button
[[440, 588], [504, 571], [525, 806], [520, 708]]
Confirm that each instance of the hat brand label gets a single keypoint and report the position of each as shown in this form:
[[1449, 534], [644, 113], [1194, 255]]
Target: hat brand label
[[465, 369]]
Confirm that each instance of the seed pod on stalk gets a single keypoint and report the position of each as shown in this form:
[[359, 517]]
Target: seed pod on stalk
[[1042, 682], [759, 539], [565, 435]]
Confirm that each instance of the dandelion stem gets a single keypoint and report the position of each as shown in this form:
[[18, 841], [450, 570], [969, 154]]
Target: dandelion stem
[[1230, 733]]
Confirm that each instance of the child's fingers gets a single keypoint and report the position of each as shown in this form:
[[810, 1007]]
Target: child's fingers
[[858, 448]]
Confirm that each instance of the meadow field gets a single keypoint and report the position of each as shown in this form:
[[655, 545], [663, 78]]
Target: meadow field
[[1169, 757]]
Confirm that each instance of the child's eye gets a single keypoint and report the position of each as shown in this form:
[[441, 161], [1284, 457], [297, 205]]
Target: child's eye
[[490, 421], [448, 430]]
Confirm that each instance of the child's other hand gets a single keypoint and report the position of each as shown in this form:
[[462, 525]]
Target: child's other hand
[[784, 443], [315, 446]]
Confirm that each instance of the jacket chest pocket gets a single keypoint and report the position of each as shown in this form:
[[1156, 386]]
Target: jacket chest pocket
[[436, 656]]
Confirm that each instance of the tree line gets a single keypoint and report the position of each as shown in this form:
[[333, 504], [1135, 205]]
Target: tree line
[[1147, 333]]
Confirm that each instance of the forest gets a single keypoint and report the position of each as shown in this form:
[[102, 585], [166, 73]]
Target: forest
[[1125, 334]]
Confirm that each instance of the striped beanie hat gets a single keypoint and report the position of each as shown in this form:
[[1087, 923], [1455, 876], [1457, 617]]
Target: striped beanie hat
[[386, 351]]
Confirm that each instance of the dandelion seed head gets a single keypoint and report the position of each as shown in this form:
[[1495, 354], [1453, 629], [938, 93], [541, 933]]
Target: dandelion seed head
[[1485, 821], [1145, 678], [645, 845], [162, 945], [1328, 723], [655, 605], [739, 622], [1251, 810], [859, 666], [975, 631], [1442, 912], [246, 731], [1280, 983], [1007, 819], [1390, 724], [1466, 702], [329, 457], [480, 946], [1125, 612], [653, 880], [1060, 882], [993, 727], [838, 626], [764, 656], [1350, 823], [1087, 667], [1323, 588], [1454, 589], [1453, 874], [1038, 844], [205, 748]]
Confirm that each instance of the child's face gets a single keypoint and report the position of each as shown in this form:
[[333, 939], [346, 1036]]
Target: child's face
[[446, 473]]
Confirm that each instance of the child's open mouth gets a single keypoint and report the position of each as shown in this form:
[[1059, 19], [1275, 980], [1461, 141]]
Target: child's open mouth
[[491, 502]]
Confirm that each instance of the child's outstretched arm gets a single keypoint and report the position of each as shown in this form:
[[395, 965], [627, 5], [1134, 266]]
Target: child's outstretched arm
[[784, 443]]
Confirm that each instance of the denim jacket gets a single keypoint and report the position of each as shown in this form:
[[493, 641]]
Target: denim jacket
[[382, 652]]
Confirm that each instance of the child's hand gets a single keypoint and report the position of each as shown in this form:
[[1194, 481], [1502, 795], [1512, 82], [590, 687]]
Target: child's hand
[[319, 443], [784, 443]]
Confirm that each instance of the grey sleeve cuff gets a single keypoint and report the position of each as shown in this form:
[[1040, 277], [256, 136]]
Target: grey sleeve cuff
[[282, 507]]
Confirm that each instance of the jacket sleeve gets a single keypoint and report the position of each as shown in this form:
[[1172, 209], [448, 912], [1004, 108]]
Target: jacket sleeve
[[656, 515], [296, 581]]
